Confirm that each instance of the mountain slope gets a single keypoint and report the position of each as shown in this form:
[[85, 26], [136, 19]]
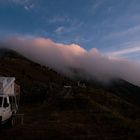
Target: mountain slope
[[54, 112], [126, 90]]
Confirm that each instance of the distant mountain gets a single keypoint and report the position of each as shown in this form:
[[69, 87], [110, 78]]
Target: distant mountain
[[126, 90], [57, 107]]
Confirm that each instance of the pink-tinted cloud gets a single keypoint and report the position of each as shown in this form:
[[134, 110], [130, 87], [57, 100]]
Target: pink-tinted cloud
[[74, 60]]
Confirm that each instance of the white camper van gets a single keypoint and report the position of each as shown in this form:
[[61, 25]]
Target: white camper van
[[9, 99]]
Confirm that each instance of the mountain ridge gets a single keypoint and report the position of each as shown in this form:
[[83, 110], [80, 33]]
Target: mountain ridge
[[91, 112]]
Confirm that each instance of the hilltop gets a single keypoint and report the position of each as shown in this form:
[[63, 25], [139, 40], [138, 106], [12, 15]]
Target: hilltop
[[54, 112]]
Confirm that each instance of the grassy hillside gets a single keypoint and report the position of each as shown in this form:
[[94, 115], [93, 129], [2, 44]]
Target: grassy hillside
[[53, 112]]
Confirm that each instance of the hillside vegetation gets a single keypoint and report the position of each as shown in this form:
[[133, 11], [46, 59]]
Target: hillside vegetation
[[54, 112]]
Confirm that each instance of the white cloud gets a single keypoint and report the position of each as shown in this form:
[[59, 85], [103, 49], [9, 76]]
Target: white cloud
[[75, 25], [29, 7], [130, 31], [125, 51], [26, 4], [60, 30], [21, 2], [57, 19], [26, 8], [97, 4]]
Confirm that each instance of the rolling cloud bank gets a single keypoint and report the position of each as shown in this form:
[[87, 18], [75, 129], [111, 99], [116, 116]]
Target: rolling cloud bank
[[73, 59]]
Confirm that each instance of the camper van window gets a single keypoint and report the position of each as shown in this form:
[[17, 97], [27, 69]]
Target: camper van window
[[5, 103], [1, 98]]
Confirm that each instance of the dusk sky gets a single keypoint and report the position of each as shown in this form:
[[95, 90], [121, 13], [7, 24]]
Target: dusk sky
[[111, 26]]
